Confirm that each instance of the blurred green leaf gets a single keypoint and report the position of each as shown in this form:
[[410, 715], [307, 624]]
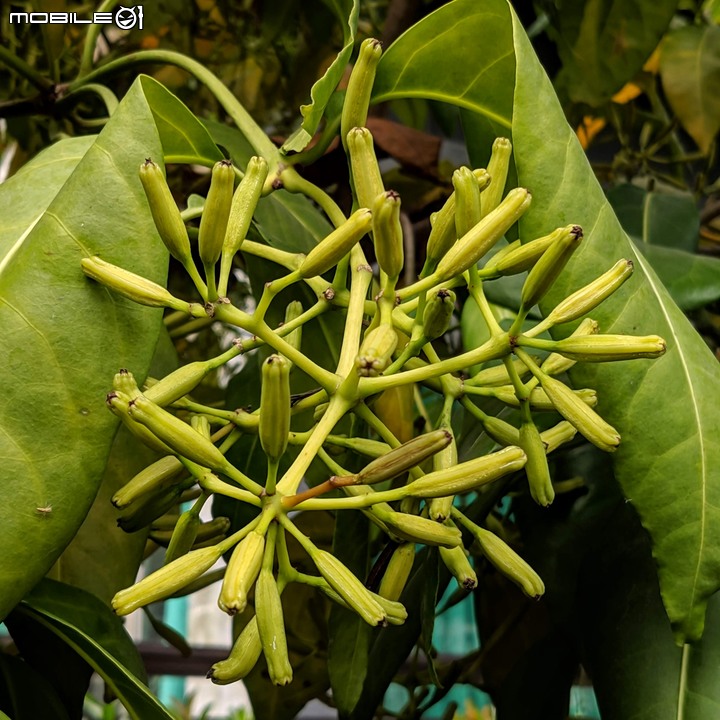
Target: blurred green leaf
[[690, 72], [604, 43], [657, 218]]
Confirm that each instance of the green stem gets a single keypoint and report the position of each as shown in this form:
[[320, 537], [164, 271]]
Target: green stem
[[357, 502], [295, 183], [22, 68], [260, 142], [91, 39]]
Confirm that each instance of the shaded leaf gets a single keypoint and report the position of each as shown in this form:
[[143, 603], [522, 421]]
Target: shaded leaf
[[98, 636], [184, 138], [321, 92], [656, 218], [604, 43], [690, 73], [25, 694], [78, 198]]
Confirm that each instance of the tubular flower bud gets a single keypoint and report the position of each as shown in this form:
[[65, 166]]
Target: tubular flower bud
[[387, 233], [178, 383], [214, 220], [603, 348], [398, 571], [165, 213], [124, 382], [293, 311], [468, 475], [456, 561], [439, 508], [166, 581], [550, 265], [521, 257], [376, 351], [509, 563], [537, 470], [359, 89], [475, 243], [159, 475], [349, 588], [554, 364], [271, 626], [584, 418], [395, 612], [129, 285], [366, 176], [242, 571], [498, 168], [443, 232], [177, 434], [329, 251], [438, 313], [467, 201], [590, 296], [242, 659], [419, 529], [184, 535], [119, 404], [274, 425], [402, 458], [503, 433], [540, 400], [555, 436], [497, 375], [242, 207]]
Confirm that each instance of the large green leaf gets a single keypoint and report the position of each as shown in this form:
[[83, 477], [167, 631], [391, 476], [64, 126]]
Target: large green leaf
[[63, 336], [321, 92], [89, 627], [690, 72], [604, 43], [667, 469], [184, 138], [26, 694]]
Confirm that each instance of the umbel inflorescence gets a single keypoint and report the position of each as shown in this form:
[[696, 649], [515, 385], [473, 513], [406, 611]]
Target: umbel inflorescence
[[387, 343]]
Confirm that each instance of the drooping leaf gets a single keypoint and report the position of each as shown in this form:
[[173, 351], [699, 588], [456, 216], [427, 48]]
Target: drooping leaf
[[64, 336], [184, 138], [690, 72], [98, 636], [668, 469], [321, 92], [604, 43]]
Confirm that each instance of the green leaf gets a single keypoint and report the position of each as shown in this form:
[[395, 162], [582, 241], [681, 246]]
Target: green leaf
[[184, 138], [604, 43], [692, 280], [657, 218], [26, 694], [321, 92], [64, 336], [431, 60], [690, 73], [668, 469], [98, 636]]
